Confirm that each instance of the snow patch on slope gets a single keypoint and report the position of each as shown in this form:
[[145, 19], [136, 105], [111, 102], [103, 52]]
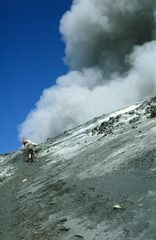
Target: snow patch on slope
[[7, 168]]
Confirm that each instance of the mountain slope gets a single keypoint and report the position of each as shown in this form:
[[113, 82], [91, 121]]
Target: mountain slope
[[70, 190]]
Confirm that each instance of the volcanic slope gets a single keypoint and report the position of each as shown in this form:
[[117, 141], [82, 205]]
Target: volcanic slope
[[94, 182]]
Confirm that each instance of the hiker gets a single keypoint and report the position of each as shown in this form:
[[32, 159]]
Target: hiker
[[28, 149]]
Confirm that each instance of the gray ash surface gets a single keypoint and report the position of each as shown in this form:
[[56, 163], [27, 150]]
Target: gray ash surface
[[69, 191]]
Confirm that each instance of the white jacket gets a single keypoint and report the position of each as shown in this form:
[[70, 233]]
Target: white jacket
[[29, 145]]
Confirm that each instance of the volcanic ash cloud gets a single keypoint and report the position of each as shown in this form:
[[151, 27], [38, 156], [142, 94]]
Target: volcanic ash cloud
[[110, 49]]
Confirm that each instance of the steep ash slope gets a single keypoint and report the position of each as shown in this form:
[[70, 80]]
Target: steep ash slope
[[69, 192]]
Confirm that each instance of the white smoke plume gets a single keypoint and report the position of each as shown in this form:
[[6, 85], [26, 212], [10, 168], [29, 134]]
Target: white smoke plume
[[111, 53]]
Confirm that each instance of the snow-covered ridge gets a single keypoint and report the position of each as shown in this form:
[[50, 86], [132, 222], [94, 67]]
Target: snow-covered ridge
[[71, 142], [129, 117]]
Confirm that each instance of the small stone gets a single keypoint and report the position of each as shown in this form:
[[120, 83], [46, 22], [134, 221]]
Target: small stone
[[51, 203], [78, 236], [24, 180], [116, 206], [64, 219], [140, 205], [63, 228]]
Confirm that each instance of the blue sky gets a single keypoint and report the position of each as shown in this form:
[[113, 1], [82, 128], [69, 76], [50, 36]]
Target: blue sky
[[31, 53]]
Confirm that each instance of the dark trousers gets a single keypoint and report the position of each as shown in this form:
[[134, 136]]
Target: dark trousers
[[30, 155]]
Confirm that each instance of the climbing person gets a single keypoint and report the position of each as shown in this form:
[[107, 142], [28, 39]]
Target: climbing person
[[28, 149]]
